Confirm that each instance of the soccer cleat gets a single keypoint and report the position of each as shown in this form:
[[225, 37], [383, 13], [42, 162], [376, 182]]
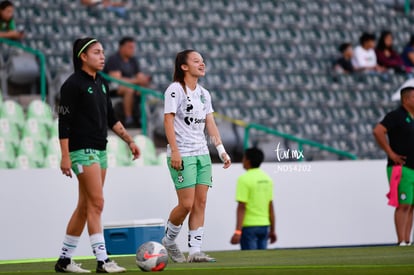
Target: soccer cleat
[[404, 244], [109, 267], [200, 257], [66, 265], [174, 252]]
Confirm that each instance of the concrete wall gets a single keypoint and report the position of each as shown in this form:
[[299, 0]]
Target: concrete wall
[[317, 204]]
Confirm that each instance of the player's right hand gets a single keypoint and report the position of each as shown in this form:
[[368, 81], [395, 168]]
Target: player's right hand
[[176, 161], [397, 159], [65, 166]]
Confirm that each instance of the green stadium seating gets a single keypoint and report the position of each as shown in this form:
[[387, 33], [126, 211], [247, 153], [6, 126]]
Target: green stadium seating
[[7, 154], [41, 112], [13, 111], [118, 152], [23, 161], [260, 55], [9, 132], [52, 160], [32, 150], [35, 130], [54, 129], [53, 146], [148, 151]]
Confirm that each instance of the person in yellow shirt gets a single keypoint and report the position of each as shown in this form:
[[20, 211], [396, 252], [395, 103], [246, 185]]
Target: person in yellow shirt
[[255, 213]]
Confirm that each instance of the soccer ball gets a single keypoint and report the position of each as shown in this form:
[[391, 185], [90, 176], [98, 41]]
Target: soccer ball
[[152, 256]]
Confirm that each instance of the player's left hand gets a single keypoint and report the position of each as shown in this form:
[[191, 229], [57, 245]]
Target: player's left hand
[[226, 160], [235, 239], [134, 150], [272, 237]]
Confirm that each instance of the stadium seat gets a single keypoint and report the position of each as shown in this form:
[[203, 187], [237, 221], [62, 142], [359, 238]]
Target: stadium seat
[[32, 150], [162, 159], [118, 152], [148, 151], [9, 132], [7, 154], [36, 130], [13, 111], [52, 160], [40, 111], [23, 161], [53, 146], [54, 129]]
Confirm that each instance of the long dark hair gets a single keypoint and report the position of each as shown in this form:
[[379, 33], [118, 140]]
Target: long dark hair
[[81, 45], [181, 59], [381, 42]]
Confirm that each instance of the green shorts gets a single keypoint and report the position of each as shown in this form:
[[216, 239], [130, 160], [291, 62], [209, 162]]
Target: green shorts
[[197, 170], [406, 185], [86, 157]]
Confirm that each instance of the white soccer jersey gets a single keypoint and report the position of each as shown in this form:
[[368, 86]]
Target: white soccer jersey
[[190, 112]]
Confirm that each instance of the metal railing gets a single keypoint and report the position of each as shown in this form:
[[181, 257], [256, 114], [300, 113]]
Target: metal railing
[[300, 141], [248, 126], [144, 93], [39, 55]]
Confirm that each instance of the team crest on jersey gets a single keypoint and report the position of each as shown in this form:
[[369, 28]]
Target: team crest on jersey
[[103, 89], [189, 108], [202, 98]]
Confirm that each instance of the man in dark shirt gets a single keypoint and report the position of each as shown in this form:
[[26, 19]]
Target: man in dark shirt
[[343, 63], [398, 125], [124, 66]]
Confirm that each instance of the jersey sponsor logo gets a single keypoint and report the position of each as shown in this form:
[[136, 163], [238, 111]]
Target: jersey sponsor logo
[[173, 94], [189, 120], [90, 90], [189, 108]]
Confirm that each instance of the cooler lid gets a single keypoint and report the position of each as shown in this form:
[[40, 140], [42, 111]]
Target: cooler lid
[[134, 223]]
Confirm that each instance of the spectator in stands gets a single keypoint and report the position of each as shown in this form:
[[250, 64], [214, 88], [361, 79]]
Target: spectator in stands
[[395, 135], [116, 6], [365, 59], [123, 65], [85, 116], [255, 219], [344, 63], [7, 24], [387, 56], [408, 53]]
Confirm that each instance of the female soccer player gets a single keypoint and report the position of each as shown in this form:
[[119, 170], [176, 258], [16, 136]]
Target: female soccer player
[[187, 112], [85, 115]]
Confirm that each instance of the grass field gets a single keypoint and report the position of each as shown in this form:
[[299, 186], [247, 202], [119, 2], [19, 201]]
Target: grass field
[[339, 261]]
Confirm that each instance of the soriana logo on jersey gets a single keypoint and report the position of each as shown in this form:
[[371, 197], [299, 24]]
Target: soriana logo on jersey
[[191, 120]]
